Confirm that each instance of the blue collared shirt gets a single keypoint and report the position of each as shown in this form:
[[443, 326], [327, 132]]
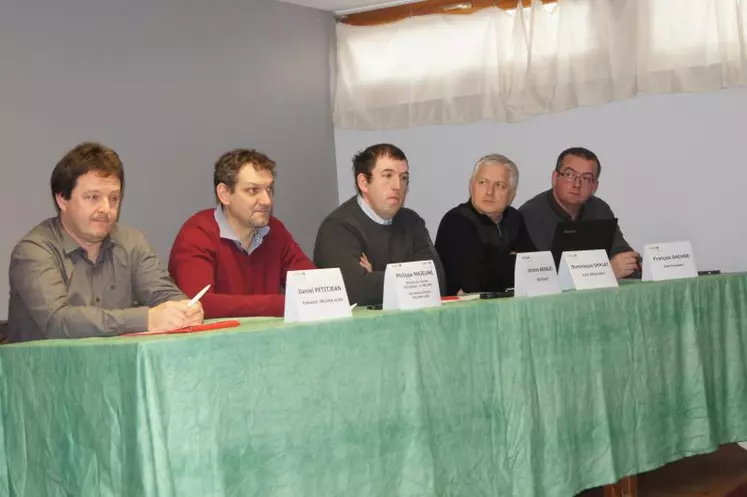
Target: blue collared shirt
[[371, 214], [225, 231]]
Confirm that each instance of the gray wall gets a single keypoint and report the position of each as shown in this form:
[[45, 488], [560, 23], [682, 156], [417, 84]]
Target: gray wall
[[170, 85]]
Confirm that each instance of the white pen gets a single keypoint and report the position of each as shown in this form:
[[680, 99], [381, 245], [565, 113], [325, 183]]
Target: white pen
[[198, 296]]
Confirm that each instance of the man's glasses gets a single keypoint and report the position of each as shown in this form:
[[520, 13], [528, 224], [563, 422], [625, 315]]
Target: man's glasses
[[571, 175]]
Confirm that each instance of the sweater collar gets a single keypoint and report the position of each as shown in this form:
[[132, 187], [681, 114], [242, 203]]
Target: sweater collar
[[472, 207], [371, 214]]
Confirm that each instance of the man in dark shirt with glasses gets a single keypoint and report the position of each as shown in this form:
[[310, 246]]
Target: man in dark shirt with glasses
[[571, 198]]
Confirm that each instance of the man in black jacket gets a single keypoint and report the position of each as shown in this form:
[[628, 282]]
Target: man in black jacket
[[478, 240]]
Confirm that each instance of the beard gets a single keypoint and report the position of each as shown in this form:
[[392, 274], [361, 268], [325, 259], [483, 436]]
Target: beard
[[259, 219]]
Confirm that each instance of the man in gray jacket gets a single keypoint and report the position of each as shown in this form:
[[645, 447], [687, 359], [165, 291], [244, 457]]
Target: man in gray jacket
[[574, 183]]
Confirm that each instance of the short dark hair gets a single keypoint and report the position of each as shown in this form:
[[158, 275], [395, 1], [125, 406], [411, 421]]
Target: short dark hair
[[83, 159], [582, 152], [364, 162], [228, 166]]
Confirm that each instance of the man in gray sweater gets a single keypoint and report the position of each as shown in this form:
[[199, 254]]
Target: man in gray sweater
[[373, 229], [574, 183]]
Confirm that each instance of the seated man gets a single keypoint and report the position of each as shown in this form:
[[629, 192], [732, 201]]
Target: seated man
[[372, 229], [238, 248], [81, 274], [571, 198], [478, 240]]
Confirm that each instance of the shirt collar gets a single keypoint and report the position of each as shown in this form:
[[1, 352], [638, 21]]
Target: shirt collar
[[371, 214], [562, 212], [69, 245], [225, 231]]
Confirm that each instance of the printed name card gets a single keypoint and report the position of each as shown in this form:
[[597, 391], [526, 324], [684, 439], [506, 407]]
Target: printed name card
[[535, 274], [315, 294], [411, 285], [586, 269], [668, 261]]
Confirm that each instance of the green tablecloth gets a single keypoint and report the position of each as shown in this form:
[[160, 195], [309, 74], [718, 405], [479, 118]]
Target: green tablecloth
[[513, 397]]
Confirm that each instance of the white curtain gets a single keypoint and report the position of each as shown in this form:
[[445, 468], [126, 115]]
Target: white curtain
[[510, 65]]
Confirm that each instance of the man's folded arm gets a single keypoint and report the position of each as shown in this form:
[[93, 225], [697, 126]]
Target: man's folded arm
[[338, 246]]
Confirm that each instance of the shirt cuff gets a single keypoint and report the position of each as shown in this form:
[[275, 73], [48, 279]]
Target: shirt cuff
[[135, 319]]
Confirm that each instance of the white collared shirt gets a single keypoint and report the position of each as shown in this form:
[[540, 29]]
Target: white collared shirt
[[371, 214]]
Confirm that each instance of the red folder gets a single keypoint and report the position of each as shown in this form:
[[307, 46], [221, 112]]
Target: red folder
[[217, 325]]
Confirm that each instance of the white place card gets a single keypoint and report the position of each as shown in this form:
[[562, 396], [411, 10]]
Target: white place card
[[535, 274], [586, 269], [411, 285], [668, 261], [315, 294]]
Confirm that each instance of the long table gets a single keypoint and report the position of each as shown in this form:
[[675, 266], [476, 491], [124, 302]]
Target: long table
[[514, 397]]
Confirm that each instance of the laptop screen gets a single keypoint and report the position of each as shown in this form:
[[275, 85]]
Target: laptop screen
[[583, 235]]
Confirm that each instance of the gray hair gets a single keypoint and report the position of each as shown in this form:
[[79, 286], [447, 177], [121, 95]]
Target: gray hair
[[503, 161]]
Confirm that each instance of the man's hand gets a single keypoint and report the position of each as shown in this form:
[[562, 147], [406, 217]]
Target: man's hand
[[365, 264], [195, 314], [625, 263], [172, 315]]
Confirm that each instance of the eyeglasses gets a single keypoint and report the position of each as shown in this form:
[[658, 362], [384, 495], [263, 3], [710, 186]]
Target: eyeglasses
[[571, 175]]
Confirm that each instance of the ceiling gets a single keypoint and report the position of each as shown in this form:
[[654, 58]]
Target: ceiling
[[348, 6]]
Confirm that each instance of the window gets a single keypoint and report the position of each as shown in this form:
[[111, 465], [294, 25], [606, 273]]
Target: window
[[509, 65], [683, 28], [437, 46]]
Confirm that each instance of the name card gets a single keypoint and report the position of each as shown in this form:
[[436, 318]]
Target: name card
[[668, 261], [586, 269], [411, 285], [315, 294], [535, 274]]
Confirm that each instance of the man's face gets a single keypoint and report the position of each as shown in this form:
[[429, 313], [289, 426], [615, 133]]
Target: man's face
[[386, 191], [92, 210], [576, 182], [490, 189], [250, 203]]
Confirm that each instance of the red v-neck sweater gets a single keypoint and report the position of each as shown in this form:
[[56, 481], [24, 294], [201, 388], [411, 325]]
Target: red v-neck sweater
[[241, 284]]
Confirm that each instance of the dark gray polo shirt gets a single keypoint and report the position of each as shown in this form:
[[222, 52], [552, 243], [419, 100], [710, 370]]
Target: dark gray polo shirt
[[542, 214], [56, 292]]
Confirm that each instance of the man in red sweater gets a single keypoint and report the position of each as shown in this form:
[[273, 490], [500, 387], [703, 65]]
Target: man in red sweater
[[238, 248]]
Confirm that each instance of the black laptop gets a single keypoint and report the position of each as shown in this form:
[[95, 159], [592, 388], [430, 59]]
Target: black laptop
[[583, 235]]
